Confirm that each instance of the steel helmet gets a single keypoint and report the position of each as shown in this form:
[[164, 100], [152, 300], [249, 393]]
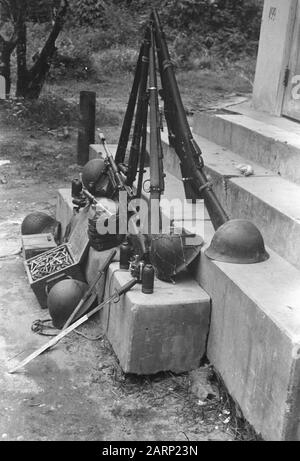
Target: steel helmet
[[170, 254], [95, 178], [41, 223], [63, 298], [237, 241]]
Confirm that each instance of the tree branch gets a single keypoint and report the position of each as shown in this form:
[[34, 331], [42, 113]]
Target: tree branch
[[49, 46]]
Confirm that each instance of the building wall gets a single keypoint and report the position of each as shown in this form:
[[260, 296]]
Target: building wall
[[273, 54]]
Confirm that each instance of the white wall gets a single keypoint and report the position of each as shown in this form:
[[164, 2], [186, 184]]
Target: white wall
[[273, 54]]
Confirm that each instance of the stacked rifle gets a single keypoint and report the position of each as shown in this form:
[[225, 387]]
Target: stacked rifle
[[237, 241]]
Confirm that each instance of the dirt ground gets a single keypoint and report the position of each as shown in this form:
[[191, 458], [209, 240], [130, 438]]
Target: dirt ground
[[77, 391]]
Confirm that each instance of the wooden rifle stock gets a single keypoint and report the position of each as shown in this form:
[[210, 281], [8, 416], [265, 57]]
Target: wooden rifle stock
[[185, 146]]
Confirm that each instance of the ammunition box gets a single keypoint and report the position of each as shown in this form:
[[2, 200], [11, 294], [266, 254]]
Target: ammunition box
[[35, 244], [74, 252]]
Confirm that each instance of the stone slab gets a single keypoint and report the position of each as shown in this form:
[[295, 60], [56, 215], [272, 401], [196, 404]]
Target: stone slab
[[275, 148], [163, 331]]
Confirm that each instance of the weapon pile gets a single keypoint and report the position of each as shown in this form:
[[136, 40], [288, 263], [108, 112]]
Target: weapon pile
[[236, 241], [168, 254]]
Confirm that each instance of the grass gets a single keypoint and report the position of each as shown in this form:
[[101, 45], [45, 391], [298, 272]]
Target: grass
[[59, 104], [51, 112]]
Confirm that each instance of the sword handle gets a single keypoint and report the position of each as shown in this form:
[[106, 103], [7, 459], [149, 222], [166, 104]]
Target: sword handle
[[127, 287]]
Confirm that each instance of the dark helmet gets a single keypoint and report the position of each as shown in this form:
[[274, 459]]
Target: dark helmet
[[170, 254], [41, 223], [95, 178], [237, 241], [63, 298]]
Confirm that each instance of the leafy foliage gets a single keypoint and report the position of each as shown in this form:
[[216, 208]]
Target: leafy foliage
[[224, 27], [86, 11], [72, 59]]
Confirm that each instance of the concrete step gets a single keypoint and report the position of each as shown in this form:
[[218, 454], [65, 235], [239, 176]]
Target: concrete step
[[257, 140], [271, 202], [254, 338]]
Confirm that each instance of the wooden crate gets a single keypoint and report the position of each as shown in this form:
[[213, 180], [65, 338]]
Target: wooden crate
[[35, 244], [76, 248]]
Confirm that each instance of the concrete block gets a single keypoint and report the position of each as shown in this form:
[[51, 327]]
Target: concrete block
[[64, 208], [163, 331], [272, 147], [255, 324], [254, 338], [97, 150], [94, 261]]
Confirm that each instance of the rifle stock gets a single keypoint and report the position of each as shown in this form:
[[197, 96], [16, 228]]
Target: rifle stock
[[185, 145]]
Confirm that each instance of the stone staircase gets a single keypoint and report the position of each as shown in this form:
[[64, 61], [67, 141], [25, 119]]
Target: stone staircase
[[254, 336], [254, 331]]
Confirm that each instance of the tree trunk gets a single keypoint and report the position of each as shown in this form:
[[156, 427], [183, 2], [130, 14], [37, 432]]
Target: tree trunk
[[30, 83], [22, 72]]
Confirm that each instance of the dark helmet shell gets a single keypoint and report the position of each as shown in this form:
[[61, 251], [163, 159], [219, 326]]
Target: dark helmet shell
[[63, 298], [171, 254], [238, 241], [92, 172], [41, 223]]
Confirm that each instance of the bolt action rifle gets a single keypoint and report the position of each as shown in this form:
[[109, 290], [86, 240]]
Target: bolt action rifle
[[180, 135], [120, 183], [137, 151], [126, 127]]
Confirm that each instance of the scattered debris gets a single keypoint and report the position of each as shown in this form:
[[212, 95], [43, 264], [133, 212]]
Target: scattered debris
[[246, 170], [200, 386], [4, 162]]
